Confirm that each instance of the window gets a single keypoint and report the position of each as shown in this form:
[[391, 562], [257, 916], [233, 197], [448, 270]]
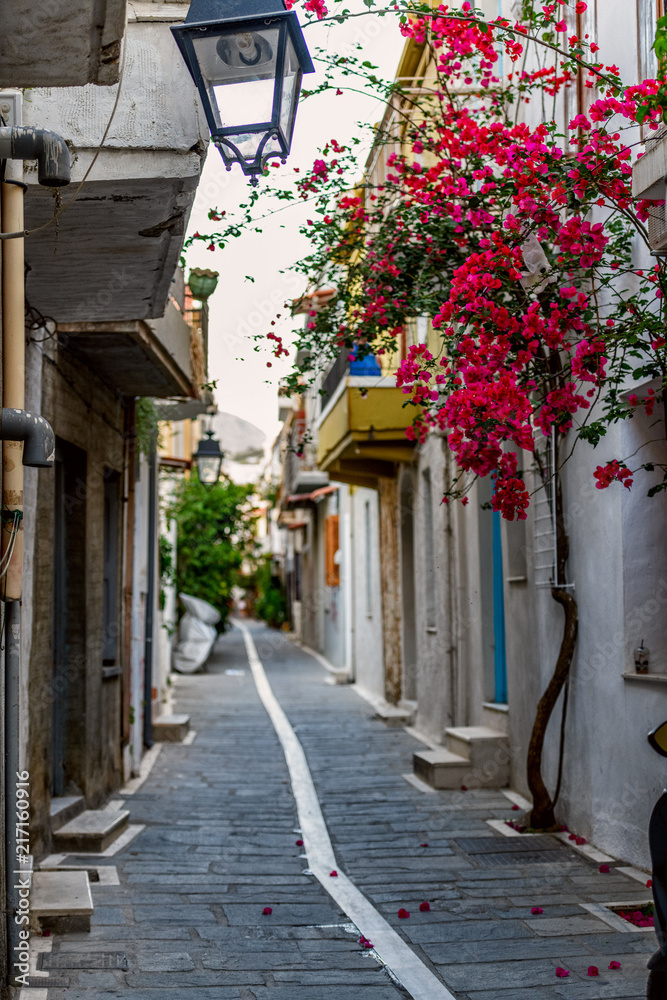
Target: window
[[648, 12], [429, 556]]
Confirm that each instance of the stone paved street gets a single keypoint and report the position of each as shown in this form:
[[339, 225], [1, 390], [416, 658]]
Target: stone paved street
[[219, 846]]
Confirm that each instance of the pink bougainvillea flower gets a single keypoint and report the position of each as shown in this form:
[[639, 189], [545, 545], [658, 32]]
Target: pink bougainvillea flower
[[580, 841], [403, 914], [593, 970], [464, 788], [536, 910], [649, 884], [424, 907], [562, 973], [333, 874], [299, 843], [423, 845], [267, 911], [515, 808], [614, 965], [604, 869]]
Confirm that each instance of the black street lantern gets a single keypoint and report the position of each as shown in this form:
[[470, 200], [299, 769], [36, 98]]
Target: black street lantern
[[247, 58], [209, 460]]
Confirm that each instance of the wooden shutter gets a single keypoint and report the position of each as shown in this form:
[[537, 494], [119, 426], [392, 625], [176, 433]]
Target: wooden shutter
[[331, 548]]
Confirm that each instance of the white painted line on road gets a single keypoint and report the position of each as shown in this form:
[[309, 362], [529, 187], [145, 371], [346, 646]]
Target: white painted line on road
[[394, 952]]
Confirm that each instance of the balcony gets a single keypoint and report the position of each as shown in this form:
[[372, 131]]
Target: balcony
[[113, 254], [301, 477], [139, 357], [61, 43], [361, 431]]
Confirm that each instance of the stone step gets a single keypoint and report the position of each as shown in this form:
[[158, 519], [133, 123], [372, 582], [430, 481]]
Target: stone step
[[61, 902], [487, 750], [64, 808], [171, 728], [441, 768], [92, 831]]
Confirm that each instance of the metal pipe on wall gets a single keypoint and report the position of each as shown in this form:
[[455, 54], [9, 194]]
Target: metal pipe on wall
[[150, 595], [13, 370]]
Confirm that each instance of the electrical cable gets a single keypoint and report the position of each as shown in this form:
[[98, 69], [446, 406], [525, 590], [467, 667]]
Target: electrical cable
[[60, 211], [16, 518]]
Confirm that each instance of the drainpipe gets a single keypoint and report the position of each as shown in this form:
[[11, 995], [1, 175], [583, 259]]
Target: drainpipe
[[17, 427], [150, 596]]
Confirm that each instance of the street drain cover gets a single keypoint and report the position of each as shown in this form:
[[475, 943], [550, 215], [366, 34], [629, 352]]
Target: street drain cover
[[498, 852], [48, 982], [82, 960]]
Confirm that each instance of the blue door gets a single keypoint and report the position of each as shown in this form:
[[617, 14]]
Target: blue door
[[500, 657]]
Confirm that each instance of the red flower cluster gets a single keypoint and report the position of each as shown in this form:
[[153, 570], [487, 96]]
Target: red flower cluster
[[606, 474]]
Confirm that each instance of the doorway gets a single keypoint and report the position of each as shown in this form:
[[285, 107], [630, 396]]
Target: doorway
[[407, 531], [69, 619], [492, 581]]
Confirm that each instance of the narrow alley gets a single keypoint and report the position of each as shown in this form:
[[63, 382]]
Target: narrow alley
[[219, 847]]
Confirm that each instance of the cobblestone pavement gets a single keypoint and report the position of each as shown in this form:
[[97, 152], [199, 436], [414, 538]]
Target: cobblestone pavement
[[220, 845]]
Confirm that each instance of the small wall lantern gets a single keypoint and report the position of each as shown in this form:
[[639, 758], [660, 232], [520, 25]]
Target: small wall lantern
[[209, 460], [247, 59]]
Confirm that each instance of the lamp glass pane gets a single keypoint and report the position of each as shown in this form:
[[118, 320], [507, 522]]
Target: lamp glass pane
[[239, 70], [291, 88], [209, 469]]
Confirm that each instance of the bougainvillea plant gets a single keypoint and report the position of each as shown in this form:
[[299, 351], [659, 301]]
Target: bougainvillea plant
[[503, 212]]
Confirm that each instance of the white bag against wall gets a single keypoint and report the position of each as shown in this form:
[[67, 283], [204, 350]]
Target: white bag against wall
[[196, 636]]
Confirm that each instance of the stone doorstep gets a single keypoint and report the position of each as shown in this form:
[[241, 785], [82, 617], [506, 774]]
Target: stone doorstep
[[61, 901], [64, 808], [92, 831], [441, 768], [478, 744], [171, 728]]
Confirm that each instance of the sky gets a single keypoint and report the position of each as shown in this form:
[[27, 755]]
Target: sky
[[240, 308]]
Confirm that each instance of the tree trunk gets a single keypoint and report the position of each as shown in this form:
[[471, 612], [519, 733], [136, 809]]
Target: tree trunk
[[542, 815]]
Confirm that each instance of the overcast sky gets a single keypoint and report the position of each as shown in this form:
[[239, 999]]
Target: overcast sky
[[240, 308]]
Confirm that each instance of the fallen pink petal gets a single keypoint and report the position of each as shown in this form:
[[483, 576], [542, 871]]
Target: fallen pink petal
[[614, 965], [604, 869], [562, 973], [299, 843], [536, 910], [515, 808], [403, 914], [593, 970], [333, 874], [424, 907], [267, 911]]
